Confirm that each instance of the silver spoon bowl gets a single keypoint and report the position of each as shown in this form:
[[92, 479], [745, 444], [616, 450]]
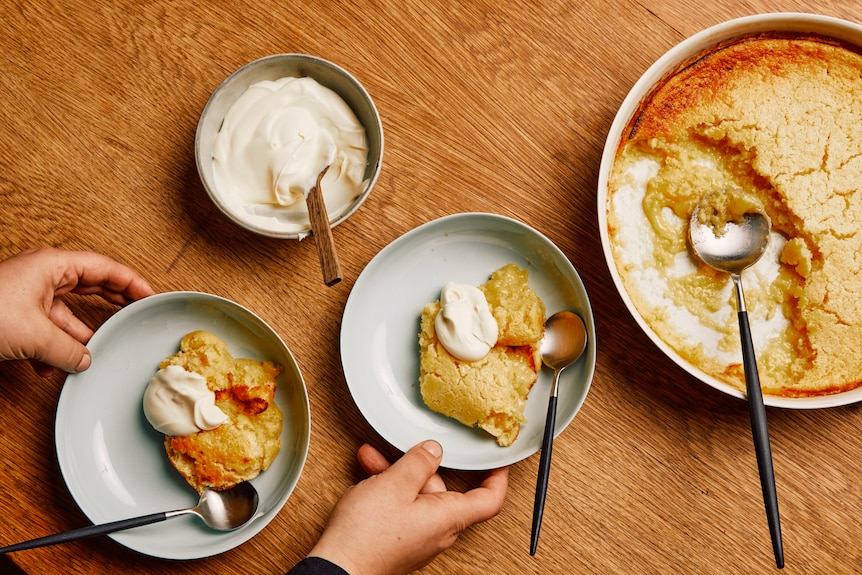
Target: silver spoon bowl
[[732, 249], [564, 342], [737, 247], [221, 510]]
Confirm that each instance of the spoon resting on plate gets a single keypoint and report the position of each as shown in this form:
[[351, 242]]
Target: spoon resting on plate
[[221, 510], [733, 247], [564, 342]]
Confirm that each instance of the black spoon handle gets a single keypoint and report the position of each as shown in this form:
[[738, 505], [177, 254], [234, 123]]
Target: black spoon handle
[[84, 532], [760, 433], [544, 471]]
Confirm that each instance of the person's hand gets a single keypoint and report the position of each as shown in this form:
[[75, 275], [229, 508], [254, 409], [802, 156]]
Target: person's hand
[[35, 324], [402, 517]]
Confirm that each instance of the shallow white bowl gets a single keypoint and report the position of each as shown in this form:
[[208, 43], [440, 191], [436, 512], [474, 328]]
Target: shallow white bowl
[[786, 22], [380, 332], [114, 462], [275, 67]]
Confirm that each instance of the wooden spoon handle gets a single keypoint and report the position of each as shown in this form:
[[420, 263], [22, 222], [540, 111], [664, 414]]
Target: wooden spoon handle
[[322, 231]]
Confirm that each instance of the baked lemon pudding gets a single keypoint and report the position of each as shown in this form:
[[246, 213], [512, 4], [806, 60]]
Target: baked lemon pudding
[[774, 120], [221, 423], [479, 352]]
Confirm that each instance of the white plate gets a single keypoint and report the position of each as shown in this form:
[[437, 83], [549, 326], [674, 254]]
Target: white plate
[[114, 462], [380, 332], [670, 61]]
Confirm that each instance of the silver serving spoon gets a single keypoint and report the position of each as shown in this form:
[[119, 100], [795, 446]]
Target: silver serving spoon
[[221, 510], [735, 248], [564, 342]]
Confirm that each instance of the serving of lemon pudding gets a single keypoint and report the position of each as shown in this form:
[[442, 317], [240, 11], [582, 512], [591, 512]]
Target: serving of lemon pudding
[[768, 120], [221, 423], [479, 352]]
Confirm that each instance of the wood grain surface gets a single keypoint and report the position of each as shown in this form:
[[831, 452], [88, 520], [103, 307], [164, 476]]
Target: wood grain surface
[[487, 106]]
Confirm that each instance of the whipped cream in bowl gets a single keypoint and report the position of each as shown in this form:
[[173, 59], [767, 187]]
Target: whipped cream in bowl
[[270, 128]]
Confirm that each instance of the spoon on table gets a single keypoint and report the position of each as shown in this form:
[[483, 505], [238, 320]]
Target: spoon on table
[[738, 246], [564, 342], [221, 510], [320, 227]]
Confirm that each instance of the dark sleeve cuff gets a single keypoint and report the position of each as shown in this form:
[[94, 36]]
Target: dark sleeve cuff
[[316, 566]]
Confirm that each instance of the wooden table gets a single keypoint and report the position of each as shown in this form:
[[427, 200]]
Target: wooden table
[[488, 106]]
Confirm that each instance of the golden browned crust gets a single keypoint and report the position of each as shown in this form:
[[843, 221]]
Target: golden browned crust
[[248, 442], [489, 393], [738, 71]]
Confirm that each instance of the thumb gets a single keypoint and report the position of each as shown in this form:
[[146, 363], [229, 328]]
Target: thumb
[[59, 349], [417, 466]]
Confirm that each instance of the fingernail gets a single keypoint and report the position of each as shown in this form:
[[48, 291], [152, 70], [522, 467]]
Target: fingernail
[[84, 363], [433, 448]]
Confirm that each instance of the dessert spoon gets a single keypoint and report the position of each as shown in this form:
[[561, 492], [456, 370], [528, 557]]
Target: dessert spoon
[[221, 510], [564, 342], [733, 249]]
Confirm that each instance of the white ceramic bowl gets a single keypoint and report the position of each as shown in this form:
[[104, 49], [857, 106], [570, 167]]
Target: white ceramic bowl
[[380, 332], [275, 67], [112, 459], [784, 22]]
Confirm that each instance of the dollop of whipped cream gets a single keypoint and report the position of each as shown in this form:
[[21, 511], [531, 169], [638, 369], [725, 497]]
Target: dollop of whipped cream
[[278, 136], [178, 402], [464, 324]]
